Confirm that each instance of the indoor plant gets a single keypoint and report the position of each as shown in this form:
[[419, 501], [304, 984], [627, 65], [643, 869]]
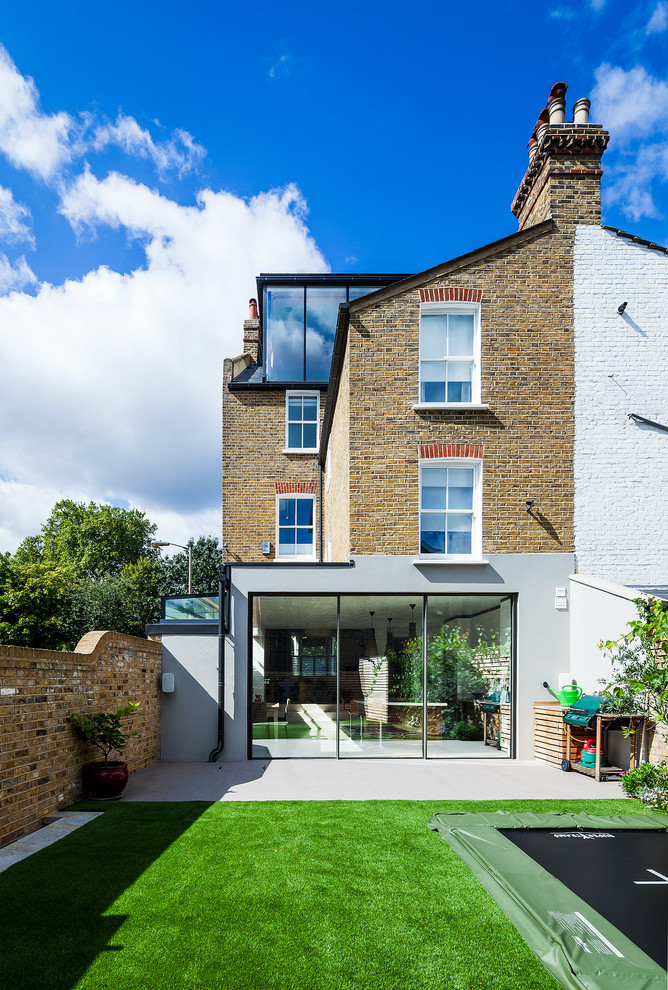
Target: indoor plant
[[104, 780]]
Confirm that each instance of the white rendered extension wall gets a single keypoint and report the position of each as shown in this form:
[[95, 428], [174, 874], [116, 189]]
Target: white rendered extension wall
[[621, 467]]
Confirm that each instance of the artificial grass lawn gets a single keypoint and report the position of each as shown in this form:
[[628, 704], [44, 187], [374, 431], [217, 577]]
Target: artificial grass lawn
[[318, 895]]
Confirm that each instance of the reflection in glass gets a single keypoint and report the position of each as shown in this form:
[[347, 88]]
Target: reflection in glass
[[295, 526], [446, 516], [468, 676], [284, 315], [380, 680], [302, 422], [293, 700], [190, 607], [355, 291], [322, 310], [382, 694]]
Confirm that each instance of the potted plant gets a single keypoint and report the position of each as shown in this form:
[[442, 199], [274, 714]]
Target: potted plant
[[104, 780]]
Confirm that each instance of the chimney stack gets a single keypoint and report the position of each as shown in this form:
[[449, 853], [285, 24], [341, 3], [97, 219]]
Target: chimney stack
[[563, 179], [252, 331]]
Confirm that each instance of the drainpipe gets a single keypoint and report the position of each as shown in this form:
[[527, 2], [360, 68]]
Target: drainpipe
[[320, 544], [224, 595]]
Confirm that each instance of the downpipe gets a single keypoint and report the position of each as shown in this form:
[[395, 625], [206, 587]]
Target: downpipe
[[224, 589]]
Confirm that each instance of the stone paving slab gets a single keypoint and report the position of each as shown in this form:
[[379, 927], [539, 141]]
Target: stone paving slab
[[58, 826], [362, 780]]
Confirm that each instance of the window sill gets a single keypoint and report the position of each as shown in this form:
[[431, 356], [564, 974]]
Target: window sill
[[296, 559], [436, 558], [452, 406], [300, 450]]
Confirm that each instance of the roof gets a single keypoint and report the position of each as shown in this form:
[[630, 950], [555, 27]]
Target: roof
[[454, 264], [405, 285], [636, 240]]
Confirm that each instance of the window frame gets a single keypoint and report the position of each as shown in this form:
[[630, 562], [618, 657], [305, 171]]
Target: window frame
[[302, 393], [475, 556], [453, 309], [296, 557]]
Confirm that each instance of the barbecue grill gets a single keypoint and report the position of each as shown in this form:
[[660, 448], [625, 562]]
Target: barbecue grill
[[583, 713], [586, 715]]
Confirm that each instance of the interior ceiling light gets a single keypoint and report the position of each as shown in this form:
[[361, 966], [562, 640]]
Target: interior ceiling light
[[412, 628], [371, 645]]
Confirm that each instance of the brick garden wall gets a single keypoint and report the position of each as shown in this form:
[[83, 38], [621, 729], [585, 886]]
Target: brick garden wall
[[40, 759]]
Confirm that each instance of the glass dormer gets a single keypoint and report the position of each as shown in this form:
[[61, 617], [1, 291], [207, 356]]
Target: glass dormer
[[299, 314]]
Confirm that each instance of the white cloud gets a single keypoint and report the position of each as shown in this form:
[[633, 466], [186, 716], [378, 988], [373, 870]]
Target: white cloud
[[14, 218], [633, 105], [658, 22], [29, 138], [114, 381], [631, 184], [597, 4], [630, 103], [180, 152], [15, 276]]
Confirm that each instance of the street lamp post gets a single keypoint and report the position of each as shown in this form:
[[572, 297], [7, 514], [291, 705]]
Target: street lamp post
[[164, 543]]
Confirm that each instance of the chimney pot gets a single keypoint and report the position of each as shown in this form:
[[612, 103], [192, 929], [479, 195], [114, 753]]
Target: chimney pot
[[252, 309], [581, 111], [558, 92], [533, 148], [557, 110]]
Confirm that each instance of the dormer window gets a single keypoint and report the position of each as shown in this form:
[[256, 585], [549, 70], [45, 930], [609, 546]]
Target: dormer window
[[301, 422], [450, 354]]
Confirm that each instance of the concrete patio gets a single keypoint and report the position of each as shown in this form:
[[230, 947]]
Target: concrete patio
[[363, 780]]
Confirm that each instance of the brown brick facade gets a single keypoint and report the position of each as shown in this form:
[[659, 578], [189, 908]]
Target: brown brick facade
[[41, 758], [254, 463], [527, 366]]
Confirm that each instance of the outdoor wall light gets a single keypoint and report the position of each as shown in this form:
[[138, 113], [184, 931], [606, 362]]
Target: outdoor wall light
[[620, 309], [530, 504], [167, 682]]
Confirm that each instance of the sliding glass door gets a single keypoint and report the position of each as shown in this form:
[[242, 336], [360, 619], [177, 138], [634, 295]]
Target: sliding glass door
[[353, 676]]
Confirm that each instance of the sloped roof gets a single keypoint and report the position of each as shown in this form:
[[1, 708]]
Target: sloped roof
[[636, 239], [405, 285], [454, 264]]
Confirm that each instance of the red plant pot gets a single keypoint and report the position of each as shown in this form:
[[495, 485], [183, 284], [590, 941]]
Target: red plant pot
[[104, 781]]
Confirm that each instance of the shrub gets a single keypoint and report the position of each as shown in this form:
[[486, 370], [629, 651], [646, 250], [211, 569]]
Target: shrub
[[647, 783]]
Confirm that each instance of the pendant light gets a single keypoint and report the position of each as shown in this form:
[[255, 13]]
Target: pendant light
[[412, 628], [371, 645], [389, 642]]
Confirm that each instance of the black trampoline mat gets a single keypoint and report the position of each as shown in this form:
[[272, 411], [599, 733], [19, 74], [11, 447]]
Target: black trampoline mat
[[622, 875]]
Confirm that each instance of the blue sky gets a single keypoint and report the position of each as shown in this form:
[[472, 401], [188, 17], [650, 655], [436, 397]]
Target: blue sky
[[153, 160]]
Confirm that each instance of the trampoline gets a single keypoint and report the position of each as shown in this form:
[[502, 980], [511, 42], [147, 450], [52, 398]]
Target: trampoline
[[588, 893]]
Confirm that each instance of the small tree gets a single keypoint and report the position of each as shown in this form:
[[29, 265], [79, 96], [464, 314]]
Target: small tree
[[104, 729], [453, 670], [639, 683]]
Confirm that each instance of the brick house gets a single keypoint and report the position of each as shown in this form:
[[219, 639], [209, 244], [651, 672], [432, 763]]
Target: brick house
[[410, 476]]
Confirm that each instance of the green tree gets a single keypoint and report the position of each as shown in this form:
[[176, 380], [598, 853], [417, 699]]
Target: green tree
[[172, 571], [33, 597], [91, 567], [639, 681], [94, 540]]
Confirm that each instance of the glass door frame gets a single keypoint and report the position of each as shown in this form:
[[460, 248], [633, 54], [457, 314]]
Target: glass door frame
[[512, 597]]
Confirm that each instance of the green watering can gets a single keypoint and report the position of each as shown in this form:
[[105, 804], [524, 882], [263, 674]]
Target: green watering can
[[569, 694]]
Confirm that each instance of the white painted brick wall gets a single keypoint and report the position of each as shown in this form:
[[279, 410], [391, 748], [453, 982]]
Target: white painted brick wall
[[621, 467]]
